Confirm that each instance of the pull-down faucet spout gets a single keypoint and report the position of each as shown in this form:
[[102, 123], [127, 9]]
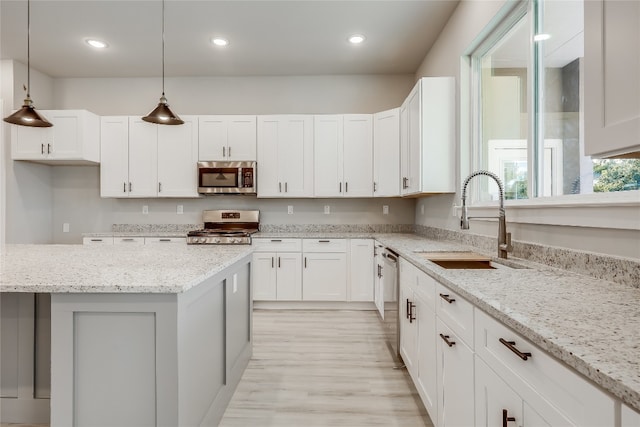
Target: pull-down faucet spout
[[504, 238]]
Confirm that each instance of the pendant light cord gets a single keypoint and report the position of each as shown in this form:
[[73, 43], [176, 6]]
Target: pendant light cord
[[29, 48], [162, 47]]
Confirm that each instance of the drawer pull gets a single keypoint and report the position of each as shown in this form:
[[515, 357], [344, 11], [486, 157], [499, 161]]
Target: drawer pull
[[506, 418], [164, 240], [276, 240], [324, 241], [511, 345], [446, 339], [96, 240], [127, 240], [447, 298]]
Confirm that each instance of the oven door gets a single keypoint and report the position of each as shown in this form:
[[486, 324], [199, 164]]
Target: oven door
[[226, 178]]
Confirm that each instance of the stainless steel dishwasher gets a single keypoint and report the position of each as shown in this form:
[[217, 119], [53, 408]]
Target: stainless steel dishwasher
[[390, 292]]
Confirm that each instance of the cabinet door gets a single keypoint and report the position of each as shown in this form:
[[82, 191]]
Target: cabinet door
[[386, 153], [426, 355], [408, 329], [404, 149], [28, 143], [295, 156], [289, 267], [361, 270], [212, 138], [612, 77], [378, 287], [264, 274], [455, 379], [114, 156], [64, 140], [143, 158], [324, 277], [358, 155], [414, 135], [177, 159], [493, 396], [328, 132], [241, 137], [269, 129]]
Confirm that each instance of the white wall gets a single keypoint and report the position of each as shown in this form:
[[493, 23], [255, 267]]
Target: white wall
[[28, 186], [469, 21], [76, 195]]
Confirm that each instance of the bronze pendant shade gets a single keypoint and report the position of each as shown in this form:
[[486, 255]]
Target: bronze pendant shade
[[27, 115], [162, 114]]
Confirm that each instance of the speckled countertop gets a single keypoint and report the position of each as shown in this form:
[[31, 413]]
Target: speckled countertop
[[112, 268], [591, 324]]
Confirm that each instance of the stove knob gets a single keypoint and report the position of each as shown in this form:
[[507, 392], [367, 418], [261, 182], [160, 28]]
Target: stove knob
[[202, 240], [216, 240], [236, 240]]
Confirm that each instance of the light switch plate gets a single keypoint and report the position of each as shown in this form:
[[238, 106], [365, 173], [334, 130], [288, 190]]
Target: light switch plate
[[65, 227], [290, 210], [385, 209], [145, 209], [180, 209], [327, 209]]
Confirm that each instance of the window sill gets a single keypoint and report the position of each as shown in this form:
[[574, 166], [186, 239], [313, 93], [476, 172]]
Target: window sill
[[603, 210]]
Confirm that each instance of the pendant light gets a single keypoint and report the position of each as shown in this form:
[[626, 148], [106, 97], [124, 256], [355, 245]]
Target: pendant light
[[27, 115], [162, 114]]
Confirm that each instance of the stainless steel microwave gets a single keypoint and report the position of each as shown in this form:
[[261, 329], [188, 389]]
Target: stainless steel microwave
[[227, 178]]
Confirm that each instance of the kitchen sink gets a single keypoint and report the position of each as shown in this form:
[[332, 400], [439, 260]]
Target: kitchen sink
[[466, 260]]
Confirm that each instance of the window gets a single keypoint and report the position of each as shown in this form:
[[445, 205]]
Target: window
[[527, 106]]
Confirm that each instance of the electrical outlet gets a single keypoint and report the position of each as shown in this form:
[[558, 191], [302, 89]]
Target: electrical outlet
[[145, 209], [327, 209], [385, 209], [421, 209], [65, 227], [180, 209], [290, 210], [453, 210]]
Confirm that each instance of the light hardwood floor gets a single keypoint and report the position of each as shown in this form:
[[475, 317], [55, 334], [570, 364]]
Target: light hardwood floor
[[322, 368]]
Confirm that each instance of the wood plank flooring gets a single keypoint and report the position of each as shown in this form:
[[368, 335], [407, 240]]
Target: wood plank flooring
[[322, 368]]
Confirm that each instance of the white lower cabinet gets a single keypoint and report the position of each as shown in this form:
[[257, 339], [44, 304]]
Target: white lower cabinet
[[97, 240], [551, 393], [361, 270], [418, 332], [324, 273], [276, 270], [629, 417]]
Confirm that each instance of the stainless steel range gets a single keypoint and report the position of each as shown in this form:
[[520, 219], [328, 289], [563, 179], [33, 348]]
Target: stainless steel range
[[225, 227]]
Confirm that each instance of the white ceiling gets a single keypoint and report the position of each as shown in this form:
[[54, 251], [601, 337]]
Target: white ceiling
[[266, 37]]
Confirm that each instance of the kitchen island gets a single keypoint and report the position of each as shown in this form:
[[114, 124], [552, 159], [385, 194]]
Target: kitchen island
[[140, 335]]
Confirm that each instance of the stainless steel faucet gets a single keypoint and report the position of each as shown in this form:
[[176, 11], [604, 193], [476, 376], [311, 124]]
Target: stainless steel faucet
[[504, 238]]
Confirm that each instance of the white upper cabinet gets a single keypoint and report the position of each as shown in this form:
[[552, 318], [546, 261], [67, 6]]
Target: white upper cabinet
[[427, 137], [74, 139], [230, 138], [343, 155], [285, 156], [147, 160], [612, 77], [177, 159], [386, 153]]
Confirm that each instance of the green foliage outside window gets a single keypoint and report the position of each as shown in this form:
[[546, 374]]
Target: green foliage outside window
[[616, 175]]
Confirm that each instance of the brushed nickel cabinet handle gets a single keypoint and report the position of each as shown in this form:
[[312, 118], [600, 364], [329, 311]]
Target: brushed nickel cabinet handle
[[511, 345], [446, 339], [506, 418], [447, 298]]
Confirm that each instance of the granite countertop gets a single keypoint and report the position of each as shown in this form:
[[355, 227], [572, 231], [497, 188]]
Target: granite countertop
[[112, 268]]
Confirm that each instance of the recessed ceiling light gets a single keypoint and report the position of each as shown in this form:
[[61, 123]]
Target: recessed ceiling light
[[356, 39], [541, 37], [98, 44], [219, 41]]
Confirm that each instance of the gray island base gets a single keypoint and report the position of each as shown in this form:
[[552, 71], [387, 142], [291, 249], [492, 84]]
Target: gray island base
[[142, 358]]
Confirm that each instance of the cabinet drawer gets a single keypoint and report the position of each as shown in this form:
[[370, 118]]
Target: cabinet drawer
[[419, 281], [97, 240], [277, 245], [164, 240], [541, 380], [456, 312], [324, 245], [128, 240]]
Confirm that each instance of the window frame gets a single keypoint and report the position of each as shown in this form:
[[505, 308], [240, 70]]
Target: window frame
[[584, 210]]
